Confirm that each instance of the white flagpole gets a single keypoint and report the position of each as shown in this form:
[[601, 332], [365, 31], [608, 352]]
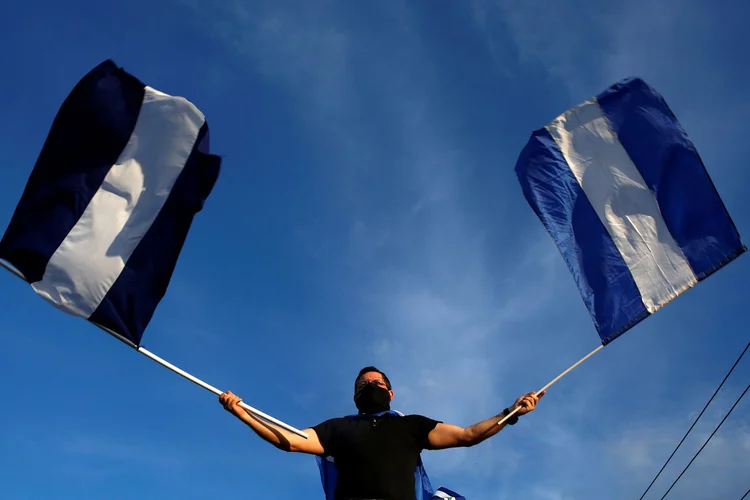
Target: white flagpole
[[10, 267], [218, 392], [199, 382], [509, 415]]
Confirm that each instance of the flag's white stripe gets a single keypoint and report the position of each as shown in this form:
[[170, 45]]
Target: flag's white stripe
[[623, 202], [94, 253], [441, 494]]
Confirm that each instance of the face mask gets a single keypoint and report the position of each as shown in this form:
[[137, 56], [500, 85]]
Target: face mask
[[373, 399]]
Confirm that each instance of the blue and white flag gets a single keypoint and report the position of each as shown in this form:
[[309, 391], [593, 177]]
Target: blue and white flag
[[444, 493], [106, 210], [624, 194]]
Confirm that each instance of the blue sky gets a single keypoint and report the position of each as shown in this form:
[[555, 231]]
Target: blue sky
[[368, 213]]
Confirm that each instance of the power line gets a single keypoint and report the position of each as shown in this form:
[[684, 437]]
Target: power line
[[745, 495], [695, 422], [707, 440]]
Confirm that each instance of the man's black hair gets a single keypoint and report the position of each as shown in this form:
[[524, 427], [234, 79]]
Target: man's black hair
[[367, 369]]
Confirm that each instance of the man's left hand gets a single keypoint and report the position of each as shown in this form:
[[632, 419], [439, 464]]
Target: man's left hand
[[527, 402]]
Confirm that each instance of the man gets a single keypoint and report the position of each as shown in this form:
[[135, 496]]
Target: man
[[376, 452]]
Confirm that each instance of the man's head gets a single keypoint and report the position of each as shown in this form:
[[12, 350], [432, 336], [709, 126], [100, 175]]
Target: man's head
[[372, 390]]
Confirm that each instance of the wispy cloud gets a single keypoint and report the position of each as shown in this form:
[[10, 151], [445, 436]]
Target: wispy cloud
[[559, 39], [586, 45], [424, 273], [583, 47], [107, 450], [455, 304], [617, 459], [99, 457]]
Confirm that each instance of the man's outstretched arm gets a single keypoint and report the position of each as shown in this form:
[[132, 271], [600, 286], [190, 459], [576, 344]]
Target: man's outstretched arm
[[280, 438], [453, 436]]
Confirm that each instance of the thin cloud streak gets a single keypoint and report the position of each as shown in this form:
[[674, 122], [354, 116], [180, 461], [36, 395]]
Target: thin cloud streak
[[582, 49], [438, 298], [441, 300]]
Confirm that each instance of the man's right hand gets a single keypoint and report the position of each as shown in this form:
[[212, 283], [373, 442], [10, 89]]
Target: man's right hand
[[231, 403], [280, 438]]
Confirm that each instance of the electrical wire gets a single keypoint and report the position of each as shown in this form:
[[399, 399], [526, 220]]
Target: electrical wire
[[707, 440], [696, 421]]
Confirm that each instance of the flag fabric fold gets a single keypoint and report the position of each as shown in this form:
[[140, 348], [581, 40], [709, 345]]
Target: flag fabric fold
[[621, 189], [444, 493], [109, 203]]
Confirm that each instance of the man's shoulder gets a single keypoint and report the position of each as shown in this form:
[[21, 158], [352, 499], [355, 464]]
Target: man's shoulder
[[340, 421], [331, 422], [393, 414], [417, 420], [417, 416]]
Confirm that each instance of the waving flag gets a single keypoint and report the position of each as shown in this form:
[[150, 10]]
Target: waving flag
[[109, 203], [444, 493], [624, 194]]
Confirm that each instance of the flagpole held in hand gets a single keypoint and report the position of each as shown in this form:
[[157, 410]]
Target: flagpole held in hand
[[201, 383], [216, 391], [10, 267], [509, 415]]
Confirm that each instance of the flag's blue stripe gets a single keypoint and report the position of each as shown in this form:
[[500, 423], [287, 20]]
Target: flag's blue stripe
[[132, 300], [603, 278], [88, 134], [673, 170]]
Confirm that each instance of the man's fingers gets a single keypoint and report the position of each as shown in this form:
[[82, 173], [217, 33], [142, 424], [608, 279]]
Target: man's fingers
[[529, 402], [533, 398], [229, 400]]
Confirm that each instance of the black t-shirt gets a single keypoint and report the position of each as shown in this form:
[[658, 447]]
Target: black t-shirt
[[375, 456]]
